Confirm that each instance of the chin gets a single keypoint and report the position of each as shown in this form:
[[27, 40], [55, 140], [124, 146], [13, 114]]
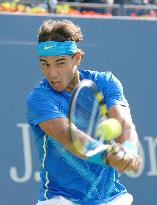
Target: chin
[[58, 89]]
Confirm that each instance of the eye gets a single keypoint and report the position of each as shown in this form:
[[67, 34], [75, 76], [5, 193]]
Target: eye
[[44, 64], [60, 64]]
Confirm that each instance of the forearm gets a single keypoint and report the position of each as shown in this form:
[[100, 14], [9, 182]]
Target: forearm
[[71, 148], [59, 129], [129, 133]]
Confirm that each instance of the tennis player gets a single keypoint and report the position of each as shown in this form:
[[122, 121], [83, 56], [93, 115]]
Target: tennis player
[[67, 177]]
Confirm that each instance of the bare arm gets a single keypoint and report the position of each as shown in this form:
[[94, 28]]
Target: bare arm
[[122, 113], [59, 129], [127, 161]]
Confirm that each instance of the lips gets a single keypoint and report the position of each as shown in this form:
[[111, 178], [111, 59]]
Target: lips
[[56, 84]]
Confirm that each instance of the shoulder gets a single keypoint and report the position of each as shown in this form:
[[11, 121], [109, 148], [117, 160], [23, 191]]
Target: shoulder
[[40, 93], [103, 79], [107, 80], [95, 75]]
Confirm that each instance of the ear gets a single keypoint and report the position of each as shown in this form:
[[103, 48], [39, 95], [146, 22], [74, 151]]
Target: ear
[[78, 58]]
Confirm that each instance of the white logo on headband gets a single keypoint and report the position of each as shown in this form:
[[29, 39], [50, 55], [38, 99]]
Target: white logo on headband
[[48, 47]]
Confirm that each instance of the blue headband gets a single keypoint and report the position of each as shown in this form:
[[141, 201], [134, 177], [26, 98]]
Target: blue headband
[[55, 48]]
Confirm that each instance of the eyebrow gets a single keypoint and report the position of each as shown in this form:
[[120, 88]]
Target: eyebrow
[[56, 61], [60, 59], [43, 60]]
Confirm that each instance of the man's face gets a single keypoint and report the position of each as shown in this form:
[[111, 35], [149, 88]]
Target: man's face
[[59, 71]]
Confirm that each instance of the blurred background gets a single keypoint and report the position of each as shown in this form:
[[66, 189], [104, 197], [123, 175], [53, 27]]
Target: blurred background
[[98, 8], [120, 36]]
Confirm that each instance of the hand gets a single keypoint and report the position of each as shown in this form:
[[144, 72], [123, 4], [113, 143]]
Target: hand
[[122, 159]]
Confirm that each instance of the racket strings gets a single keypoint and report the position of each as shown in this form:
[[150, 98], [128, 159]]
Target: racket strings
[[87, 111]]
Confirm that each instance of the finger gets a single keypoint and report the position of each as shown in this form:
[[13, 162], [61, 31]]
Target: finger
[[134, 164], [114, 159], [115, 154], [137, 164], [124, 162], [120, 160]]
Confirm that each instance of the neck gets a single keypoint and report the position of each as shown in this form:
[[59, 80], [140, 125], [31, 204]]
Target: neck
[[74, 82]]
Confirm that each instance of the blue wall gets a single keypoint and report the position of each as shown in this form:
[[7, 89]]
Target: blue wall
[[126, 47]]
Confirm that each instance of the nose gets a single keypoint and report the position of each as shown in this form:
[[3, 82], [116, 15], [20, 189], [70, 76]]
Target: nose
[[52, 74]]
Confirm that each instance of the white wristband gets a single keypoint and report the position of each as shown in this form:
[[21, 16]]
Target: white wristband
[[131, 147]]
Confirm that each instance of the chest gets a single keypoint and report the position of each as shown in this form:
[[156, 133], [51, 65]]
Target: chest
[[63, 101]]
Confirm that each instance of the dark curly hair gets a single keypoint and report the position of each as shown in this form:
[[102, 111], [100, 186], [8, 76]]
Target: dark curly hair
[[63, 30]]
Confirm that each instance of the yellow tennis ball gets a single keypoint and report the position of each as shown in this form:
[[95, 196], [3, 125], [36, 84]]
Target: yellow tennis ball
[[109, 129]]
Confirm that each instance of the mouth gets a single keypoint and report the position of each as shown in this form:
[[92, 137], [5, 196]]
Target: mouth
[[56, 84]]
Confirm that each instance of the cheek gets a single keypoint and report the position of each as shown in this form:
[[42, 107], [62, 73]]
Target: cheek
[[67, 73], [44, 71], [70, 74]]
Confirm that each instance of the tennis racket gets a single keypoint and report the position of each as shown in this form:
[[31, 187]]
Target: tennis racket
[[87, 116]]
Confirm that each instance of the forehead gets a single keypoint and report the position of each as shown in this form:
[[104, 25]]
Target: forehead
[[53, 58]]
